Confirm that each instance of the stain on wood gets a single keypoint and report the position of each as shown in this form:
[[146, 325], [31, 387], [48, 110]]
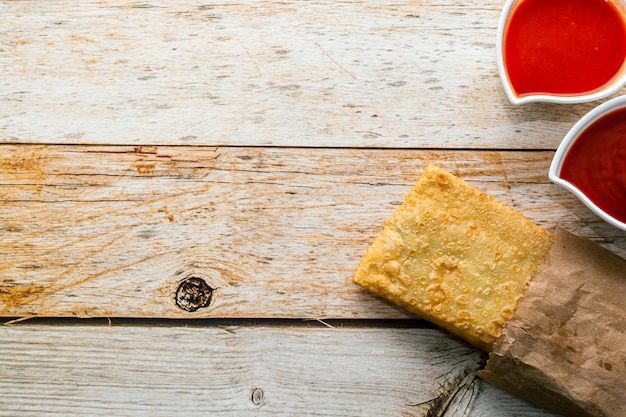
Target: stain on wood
[[18, 295]]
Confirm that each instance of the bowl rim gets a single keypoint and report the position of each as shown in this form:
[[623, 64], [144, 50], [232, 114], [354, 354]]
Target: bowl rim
[[615, 84], [565, 145]]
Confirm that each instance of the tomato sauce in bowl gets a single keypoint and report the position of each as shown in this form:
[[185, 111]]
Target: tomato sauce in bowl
[[591, 161], [562, 48]]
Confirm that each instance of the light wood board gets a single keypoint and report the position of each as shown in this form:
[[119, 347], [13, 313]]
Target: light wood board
[[269, 73], [252, 370], [91, 231]]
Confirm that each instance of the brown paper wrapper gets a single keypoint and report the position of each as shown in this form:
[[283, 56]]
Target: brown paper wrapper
[[565, 347]]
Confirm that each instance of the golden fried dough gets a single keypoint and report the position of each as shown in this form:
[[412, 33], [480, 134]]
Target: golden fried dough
[[455, 256]]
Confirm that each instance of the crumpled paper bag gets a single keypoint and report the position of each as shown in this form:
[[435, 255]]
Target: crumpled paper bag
[[564, 348]]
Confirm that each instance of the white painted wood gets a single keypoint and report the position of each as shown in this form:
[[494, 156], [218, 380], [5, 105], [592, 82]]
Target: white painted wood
[[286, 73], [248, 370], [91, 231]]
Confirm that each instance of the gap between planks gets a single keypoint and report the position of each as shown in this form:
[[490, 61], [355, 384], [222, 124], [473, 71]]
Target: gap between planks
[[409, 323]]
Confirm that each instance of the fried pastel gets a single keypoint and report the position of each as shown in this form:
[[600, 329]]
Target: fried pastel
[[455, 256]]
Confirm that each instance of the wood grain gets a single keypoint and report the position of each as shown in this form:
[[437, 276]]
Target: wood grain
[[250, 370], [277, 233], [269, 73], [259, 146]]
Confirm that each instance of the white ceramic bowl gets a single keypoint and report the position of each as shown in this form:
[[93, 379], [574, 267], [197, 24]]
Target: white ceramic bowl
[[616, 83], [561, 152]]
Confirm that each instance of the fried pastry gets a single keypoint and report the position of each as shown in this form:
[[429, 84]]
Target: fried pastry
[[455, 256]]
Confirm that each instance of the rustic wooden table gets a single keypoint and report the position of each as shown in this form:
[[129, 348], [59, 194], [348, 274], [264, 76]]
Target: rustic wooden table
[[201, 179]]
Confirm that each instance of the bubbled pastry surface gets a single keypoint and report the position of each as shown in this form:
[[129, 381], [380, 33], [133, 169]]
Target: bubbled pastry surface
[[455, 256]]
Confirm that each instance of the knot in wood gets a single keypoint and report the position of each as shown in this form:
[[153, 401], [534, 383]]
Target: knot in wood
[[193, 293], [257, 396]]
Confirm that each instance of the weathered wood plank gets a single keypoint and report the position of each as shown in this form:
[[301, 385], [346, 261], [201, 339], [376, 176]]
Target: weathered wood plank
[[478, 398], [244, 371], [347, 74], [113, 231]]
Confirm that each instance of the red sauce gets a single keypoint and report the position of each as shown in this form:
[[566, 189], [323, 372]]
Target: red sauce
[[596, 163], [563, 47]]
